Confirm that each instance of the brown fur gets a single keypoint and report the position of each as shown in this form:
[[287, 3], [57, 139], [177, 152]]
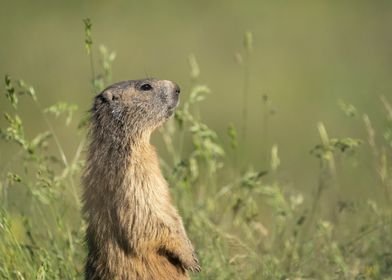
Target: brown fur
[[133, 232]]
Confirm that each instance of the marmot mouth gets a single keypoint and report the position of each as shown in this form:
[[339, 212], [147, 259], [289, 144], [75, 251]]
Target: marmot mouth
[[172, 108], [175, 104]]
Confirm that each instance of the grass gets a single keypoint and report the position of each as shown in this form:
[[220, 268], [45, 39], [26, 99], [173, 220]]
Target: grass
[[245, 223]]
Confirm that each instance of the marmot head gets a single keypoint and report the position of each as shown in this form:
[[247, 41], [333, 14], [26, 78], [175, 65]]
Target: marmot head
[[135, 106]]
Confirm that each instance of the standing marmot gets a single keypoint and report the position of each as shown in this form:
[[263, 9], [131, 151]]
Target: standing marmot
[[133, 232]]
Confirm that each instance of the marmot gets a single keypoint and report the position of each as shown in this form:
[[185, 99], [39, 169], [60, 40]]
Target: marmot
[[133, 230]]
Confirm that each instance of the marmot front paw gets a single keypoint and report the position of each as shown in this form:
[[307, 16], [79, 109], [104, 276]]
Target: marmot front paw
[[190, 262]]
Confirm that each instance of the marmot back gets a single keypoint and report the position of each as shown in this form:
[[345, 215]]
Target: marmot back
[[133, 230]]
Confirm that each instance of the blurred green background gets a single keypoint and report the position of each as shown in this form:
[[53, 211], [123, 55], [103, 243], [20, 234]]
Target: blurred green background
[[306, 56], [313, 64]]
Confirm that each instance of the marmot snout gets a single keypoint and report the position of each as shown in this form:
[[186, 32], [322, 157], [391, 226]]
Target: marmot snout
[[134, 231]]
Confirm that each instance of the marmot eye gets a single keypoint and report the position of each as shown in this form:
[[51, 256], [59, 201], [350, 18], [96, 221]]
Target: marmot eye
[[146, 87]]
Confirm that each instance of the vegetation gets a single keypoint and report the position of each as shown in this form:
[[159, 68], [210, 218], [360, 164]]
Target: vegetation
[[246, 223]]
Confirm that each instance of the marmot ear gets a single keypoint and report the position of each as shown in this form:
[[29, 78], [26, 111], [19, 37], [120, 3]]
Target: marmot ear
[[107, 96], [103, 97]]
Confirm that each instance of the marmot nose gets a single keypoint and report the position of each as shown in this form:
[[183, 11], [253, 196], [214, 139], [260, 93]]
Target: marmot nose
[[177, 89]]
